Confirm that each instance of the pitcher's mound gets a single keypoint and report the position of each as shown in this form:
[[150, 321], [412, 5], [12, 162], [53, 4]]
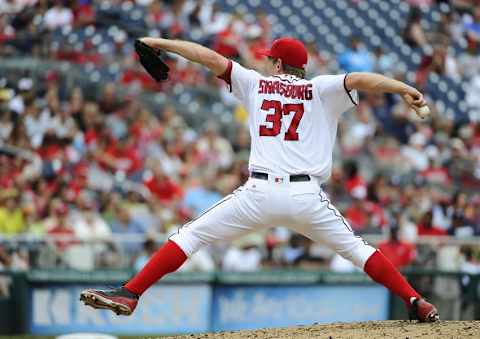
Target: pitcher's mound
[[365, 330]]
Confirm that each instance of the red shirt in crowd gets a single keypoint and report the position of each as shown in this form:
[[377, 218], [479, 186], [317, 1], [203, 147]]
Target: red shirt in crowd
[[84, 14], [60, 231], [422, 230], [438, 175], [400, 253], [91, 136], [128, 158], [226, 43], [131, 76], [164, 188], [369, 214], [50, 152], [355, 182]]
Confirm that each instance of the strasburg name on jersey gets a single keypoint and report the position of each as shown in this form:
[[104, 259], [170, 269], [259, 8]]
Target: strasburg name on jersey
[[303, 92], [292, 121]]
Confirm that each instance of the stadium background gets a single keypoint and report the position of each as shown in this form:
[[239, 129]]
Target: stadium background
[[99, 164]]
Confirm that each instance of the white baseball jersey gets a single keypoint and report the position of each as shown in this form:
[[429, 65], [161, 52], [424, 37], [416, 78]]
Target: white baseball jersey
[[292, 121], [293, 124]]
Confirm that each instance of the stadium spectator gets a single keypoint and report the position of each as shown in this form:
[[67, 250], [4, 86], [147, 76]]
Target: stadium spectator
[[37, 123], [472, 27], [462, 216], [7, 32], [355, 184], [400, 253], [384, 62], [87, 222], [364, 215], [156, 14], [161, 185], [123, 224], [435, 173], [472, 98], [213, 19], [12, 219], [460, 163], [470, 265], [469, 62], [13, 260], [414, 152], [356, 59], [213, 148], [201, 261], [6, 125], [62, 124], [17, 103], [440, 61], [340, 264], [61, 231], [84, 13], [227, 41], [149, 247], [201, 194], [445, 29], [120, 155], [35, 225], [109, 102], [357, 130], [317, 62], [244, 255], [425, 226], [298, 253], [58, 16], [419, 3], [413, 33]]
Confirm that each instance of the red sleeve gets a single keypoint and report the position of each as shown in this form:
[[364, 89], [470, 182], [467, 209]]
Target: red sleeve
[[227, 75]]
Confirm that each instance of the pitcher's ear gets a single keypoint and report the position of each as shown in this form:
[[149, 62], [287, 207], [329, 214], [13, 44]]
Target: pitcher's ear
[[279, 65]]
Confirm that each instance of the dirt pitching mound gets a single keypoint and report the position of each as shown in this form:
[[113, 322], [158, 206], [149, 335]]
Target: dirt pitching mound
[[364, 330]]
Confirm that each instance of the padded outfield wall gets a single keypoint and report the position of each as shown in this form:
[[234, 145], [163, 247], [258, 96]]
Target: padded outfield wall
[[46, 302]]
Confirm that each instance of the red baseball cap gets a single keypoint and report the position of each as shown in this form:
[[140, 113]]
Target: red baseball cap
[[291, 51]]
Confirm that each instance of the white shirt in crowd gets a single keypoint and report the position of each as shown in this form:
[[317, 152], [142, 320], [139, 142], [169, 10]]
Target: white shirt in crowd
[[58, 16], [238, 260]]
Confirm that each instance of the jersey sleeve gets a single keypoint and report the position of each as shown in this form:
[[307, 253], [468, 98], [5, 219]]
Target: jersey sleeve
[[333, 92], [240, 79]]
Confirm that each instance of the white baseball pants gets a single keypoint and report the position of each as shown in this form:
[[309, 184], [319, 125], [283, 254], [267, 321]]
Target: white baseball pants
[[300, 206]]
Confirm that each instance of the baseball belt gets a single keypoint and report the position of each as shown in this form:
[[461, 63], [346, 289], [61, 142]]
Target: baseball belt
[[293, 178]]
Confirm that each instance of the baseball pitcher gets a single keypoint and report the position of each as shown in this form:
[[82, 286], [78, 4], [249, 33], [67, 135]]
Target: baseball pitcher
[[293, 124]]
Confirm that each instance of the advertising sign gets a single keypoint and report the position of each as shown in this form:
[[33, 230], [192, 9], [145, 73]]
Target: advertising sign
[[252, 307], [162, 309]]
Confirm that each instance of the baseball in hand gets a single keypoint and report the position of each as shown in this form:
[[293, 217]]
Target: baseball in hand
[[423, 111]]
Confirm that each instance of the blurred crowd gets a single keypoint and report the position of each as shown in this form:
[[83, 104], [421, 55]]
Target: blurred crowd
[[99, 182]]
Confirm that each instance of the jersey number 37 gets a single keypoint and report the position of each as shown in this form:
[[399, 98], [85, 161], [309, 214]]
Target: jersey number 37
[[276, 119]]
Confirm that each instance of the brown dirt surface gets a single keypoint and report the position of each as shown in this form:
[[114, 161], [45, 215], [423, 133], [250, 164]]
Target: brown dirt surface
[[365, 330]]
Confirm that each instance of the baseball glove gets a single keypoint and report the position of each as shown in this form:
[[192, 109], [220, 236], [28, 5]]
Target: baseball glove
[[152, 61]]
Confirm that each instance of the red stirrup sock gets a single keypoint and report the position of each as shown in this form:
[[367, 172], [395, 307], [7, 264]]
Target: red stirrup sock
[[167, 259], [381, 270]]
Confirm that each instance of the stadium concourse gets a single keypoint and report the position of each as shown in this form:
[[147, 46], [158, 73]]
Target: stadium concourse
[[99, 162]]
